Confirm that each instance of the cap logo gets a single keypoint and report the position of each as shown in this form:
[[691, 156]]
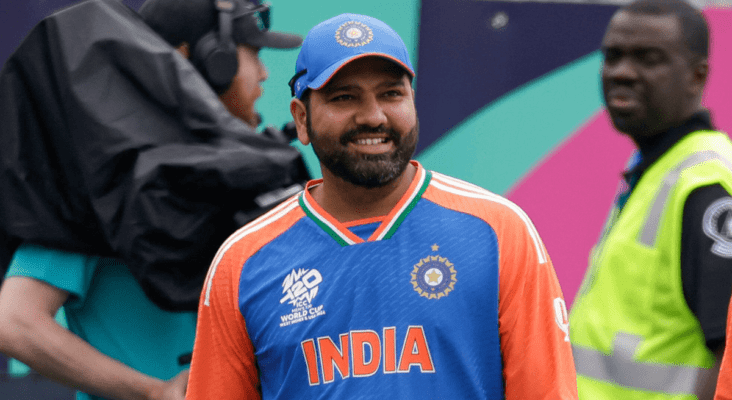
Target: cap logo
[[354, 34]]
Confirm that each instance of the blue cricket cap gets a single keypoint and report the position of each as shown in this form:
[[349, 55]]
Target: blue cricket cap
[[334, 43]]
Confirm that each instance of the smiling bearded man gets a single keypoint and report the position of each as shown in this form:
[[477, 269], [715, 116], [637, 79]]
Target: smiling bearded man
[[382, 279]]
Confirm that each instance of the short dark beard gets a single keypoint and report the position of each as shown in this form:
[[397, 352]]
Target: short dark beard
[[369, 170]]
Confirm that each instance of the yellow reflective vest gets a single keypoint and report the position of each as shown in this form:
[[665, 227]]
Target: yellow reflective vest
[[633, 335]]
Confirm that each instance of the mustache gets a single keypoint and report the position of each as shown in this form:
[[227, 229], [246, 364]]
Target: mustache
[[351, 134]]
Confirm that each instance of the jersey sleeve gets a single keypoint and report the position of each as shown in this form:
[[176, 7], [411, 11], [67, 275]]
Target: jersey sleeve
[[533, 321], [223, 364]]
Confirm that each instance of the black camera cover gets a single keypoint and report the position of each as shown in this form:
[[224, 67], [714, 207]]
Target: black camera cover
[[112, 144]]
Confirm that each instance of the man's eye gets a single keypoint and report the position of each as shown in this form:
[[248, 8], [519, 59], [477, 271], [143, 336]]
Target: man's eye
[[650, 57], [611, 56], [342, 97]]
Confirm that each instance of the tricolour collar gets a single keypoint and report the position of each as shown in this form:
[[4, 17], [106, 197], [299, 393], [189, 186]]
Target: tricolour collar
[[341, 234]]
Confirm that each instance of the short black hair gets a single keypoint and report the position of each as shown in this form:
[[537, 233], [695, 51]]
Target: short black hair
[[694, 28], [305, 97]]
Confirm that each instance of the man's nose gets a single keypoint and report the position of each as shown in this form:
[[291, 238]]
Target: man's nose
[[371, 113], [263, 72], [622, 69]]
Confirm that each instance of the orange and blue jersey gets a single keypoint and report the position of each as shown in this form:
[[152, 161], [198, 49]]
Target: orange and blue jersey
[[450, 295], [724, 381]]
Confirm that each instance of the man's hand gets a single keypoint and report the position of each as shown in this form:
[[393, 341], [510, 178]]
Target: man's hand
[[175, 388]]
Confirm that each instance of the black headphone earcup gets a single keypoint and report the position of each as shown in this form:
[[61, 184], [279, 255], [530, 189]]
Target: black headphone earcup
[[217, 62]]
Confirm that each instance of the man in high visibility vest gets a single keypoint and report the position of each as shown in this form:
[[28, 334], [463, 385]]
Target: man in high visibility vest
[[649, 320]]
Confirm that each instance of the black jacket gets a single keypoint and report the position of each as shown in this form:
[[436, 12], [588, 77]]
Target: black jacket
[[112, 144]]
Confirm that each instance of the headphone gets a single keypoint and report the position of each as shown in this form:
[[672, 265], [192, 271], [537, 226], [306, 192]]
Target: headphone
[[215, 54]]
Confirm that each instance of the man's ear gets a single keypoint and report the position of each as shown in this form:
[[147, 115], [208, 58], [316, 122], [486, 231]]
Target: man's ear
[[700, 71], [300, 116], [184, 49]]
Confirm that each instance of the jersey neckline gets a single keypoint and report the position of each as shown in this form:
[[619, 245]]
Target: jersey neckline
[[340, 232]]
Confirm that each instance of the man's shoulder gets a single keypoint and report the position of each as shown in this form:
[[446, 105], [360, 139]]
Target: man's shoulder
[[702, 158], [252, 237], [465, 197], [698, 147]]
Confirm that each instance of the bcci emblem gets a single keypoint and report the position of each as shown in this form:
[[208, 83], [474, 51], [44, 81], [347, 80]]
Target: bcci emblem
[[354, 34], [433, 277]]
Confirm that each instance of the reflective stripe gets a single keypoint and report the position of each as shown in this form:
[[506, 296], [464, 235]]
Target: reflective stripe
[[620, 368], [649, 231]]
